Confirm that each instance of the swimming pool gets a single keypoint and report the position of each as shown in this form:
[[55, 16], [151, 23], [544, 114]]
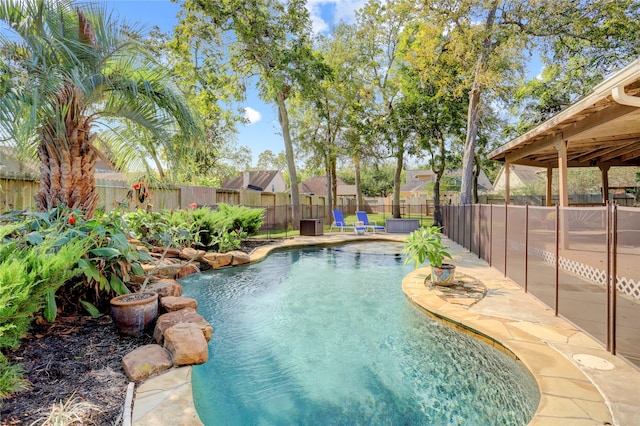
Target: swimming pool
[[326, 336]]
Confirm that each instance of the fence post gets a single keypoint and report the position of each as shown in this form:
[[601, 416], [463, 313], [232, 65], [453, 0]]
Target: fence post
[[506, 225], [557, 291], [614, 273], [491, 234], [463, 216], [526, 247], [479, 231]]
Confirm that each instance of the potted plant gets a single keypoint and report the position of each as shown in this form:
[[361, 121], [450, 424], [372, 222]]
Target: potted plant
[[426, 243]]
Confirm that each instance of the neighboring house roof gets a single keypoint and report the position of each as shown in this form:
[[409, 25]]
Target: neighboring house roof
[[519, 175], [417, 180], [253, 179], [414, 186], [317, 185]]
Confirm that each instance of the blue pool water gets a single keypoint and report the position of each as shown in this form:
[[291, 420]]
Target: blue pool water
[[325, 336]]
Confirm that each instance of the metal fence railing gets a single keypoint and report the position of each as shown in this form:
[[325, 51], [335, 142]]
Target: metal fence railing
[[580, 261]]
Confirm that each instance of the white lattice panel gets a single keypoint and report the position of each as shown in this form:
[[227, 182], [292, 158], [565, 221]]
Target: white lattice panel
[[598, 276]]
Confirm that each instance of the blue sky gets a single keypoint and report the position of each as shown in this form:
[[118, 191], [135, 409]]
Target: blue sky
[[264, 131]]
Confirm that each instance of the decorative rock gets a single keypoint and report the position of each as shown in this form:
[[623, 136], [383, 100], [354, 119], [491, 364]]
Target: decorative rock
[[186, 315], [187, 344], [189, 253], [218, 260], [188, 269], [239, 257], [165, 287], [145, 361], [167, 268], [171, 251], [174, 303]]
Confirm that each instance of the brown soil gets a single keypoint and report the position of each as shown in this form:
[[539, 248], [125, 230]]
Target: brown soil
[[77, 356]]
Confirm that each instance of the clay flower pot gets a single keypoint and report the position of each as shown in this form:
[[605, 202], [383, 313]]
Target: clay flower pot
[[443, 275], [134, 313]]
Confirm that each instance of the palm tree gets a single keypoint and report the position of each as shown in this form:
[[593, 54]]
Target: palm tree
[[73, 72]]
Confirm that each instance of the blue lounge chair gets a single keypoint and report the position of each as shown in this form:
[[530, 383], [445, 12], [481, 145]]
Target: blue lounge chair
[[362, 217], [339, 222]]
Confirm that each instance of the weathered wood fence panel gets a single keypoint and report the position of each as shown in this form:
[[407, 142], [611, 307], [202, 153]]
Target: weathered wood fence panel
[[17, 193]]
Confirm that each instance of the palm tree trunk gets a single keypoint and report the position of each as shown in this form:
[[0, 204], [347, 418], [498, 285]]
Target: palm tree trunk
[[67, 174]]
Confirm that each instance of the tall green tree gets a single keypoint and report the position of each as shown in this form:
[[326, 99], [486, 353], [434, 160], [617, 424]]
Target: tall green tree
[[79, 69], [575, 35], [434, 89], [268, 39], [380, 29], [267, 160], [580, 44], [321, 123], [212, 90]]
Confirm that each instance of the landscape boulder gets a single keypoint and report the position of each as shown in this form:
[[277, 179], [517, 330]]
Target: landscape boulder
[[218, 260], [176, 303], [188, 269], [187, 344], [165, 287], [239, 258], [146, 361], [186, 315], [189, 253]]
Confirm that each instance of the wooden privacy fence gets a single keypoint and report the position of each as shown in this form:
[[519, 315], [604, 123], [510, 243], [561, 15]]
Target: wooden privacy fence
[[17, 193]]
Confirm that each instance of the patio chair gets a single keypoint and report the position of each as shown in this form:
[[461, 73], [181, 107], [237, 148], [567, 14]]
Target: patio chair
[[362, 217], [339, 222]]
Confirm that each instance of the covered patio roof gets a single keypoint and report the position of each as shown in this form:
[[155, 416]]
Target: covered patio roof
[[601, 130]]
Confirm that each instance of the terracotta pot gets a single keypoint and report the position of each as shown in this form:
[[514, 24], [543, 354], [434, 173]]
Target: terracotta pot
[[134, 313], [443, 275]]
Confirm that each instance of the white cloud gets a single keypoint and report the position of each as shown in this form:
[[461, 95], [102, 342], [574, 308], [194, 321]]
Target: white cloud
[[333, 11], [252, 115]]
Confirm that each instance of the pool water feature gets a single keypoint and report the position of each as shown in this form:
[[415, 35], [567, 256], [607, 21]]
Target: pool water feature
[[326, 336]]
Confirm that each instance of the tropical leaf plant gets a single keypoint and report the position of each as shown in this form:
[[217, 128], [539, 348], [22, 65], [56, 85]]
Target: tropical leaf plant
[[425, 243]]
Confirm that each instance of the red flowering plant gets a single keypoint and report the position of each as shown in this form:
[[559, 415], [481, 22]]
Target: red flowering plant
[[141, 191]]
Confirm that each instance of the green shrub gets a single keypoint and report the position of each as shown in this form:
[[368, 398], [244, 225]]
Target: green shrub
[[241, 217], [161, 229], [29, 279], [202, 227], [11, 378], [17, 304], [108, 259]]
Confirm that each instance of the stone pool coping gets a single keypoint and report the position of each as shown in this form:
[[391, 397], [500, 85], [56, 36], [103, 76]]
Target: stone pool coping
[[580, 382]]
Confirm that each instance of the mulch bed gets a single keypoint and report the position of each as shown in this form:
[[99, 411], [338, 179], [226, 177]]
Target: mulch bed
[[77, 356], [74, 357]]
